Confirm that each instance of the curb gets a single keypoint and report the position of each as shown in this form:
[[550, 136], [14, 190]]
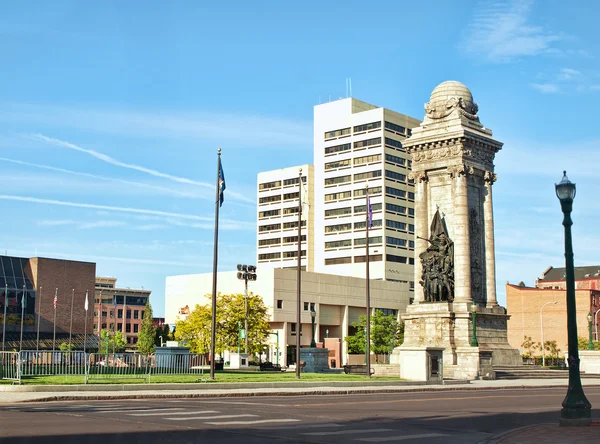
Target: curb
[[317, 392]]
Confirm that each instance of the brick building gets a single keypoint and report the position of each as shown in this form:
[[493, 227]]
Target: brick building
[[524, 305], [39, 280], [119, 309]]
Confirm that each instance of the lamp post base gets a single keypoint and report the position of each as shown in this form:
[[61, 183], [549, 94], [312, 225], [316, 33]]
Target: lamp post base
[[572, 422]]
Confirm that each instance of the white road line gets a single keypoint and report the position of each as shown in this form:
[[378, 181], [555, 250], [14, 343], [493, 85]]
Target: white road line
[[136, 409], [401, 438], [193, 412], [308, 426], [347, 432], [212, 417], [258, 421], [262, 404]]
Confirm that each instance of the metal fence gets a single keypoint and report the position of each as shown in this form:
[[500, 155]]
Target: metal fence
[[9, 366], [93, 366]]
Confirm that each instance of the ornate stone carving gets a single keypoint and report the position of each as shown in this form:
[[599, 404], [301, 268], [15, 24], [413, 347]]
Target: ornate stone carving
[[460, 170], [490, 177], [475, 253], [440, 110], [437, 278], [418, 176]]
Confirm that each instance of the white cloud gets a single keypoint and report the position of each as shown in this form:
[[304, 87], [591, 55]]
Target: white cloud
[[501, 32], [111, 160], [156, 188], [218, 129], [569, 74], [170, 217], [545, 88]]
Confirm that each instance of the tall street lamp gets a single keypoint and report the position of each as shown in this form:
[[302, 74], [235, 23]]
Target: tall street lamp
[[576, 409], [542, 328], [474, 342], [590, 343], [313, 314], [246, 273]]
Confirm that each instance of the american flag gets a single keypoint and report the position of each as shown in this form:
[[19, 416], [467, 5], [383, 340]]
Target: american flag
[[55, 298]]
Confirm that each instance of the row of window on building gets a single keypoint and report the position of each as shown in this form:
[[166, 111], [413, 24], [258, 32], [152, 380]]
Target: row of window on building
[[375, 191], [367, 127], [137, 314], [129, 328], [372, 258], [277, 184]]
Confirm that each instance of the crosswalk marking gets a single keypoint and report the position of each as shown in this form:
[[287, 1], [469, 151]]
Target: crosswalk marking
[[308, 426], [257, 421], [193, 412], [247, 415], [400, 438], [137, 409], [347, 432]]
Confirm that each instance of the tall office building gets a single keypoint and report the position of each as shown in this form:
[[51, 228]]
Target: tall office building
[[356, 144], [277, 237]]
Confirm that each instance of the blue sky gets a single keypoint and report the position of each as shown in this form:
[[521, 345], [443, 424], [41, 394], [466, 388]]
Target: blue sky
[[111, 115]]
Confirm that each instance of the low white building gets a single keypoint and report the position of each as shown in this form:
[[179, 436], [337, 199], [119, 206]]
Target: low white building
[[337, 300]]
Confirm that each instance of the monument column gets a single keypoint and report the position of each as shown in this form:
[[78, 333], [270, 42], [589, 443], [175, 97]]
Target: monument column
[[490, 256], [421, 229], [462, 252]]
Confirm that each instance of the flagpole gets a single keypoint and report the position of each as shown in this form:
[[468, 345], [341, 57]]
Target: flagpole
[[368, 335], [85, 328], [54, 331], [213, 321], [22, 316], [299, 275], [4, 318], [37, 340], [99, 312], [71, 322]]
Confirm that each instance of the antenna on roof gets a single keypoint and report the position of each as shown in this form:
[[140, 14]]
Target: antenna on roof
[[350, 82], [346, 87]]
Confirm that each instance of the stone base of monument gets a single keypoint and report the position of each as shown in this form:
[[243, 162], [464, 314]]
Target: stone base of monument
[[238, 360], [317, 359], [448, 327]]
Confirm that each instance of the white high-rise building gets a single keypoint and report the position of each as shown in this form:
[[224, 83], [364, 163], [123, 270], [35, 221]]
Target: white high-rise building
[[277, 235], [355, 144]]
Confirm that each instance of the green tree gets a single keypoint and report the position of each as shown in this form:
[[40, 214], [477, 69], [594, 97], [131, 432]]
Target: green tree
[[65, 346], [162, 331], [386, 333], [195, 331], [111, 341], [145, 343], [528, 346]]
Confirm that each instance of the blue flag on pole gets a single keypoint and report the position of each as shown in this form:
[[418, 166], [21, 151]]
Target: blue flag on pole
[[370, 211], [221, 183]]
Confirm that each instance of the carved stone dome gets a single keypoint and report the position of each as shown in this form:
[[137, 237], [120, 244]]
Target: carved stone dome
[[448, 96]]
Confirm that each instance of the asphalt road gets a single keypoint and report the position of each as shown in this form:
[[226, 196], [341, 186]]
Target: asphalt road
[[432, 417]]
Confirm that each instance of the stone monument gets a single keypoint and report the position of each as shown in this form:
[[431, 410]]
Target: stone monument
[[453, 170]]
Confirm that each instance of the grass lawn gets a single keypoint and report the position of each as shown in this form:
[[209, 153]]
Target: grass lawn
[[220, 376]]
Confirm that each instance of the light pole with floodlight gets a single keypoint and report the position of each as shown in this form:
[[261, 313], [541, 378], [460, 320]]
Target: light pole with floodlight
[[246, 273], [576, 409]]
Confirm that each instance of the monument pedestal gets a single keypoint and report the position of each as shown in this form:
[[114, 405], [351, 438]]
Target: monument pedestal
[[317, 359], [238, 360], [434, 326]]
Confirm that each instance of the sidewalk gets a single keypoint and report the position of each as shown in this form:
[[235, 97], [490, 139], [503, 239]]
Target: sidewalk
[[40, 393]]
